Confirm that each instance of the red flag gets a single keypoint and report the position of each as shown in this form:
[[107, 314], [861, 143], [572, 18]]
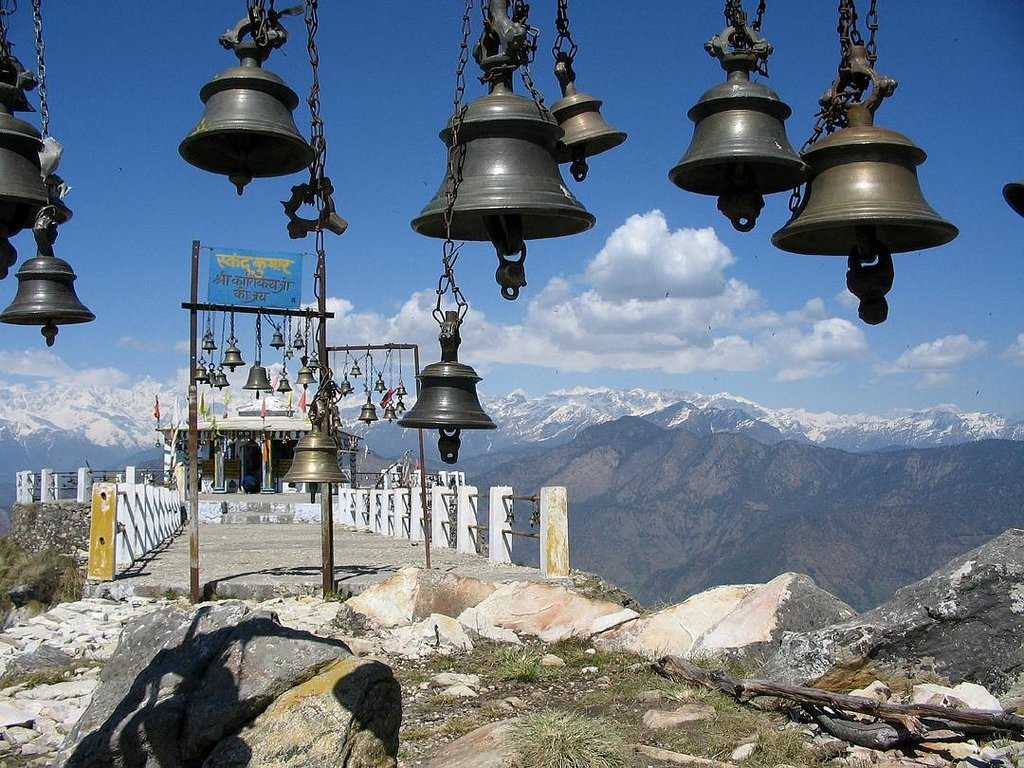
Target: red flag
[[387, 398], [156, 409], [263, 409], [302, 401]]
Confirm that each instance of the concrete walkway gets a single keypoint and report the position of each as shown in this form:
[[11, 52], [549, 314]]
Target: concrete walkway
[[261, 561]]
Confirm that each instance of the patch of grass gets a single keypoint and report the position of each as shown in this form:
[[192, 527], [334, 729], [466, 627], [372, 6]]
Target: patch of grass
[[520, 664], [460, 725], [51, 577], [417, 733], [554, 739], [733, 666]]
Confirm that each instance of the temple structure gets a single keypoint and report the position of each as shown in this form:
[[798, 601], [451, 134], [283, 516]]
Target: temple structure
[[250, 450]]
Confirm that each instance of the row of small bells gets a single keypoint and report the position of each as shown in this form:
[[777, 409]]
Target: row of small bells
[[862, 199]]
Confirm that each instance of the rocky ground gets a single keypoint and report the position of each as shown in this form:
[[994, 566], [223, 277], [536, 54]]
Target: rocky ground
[[550, 675]]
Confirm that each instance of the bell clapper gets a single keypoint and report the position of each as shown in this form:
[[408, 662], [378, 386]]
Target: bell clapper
[[448, 444], [870, 276], [506, 233]]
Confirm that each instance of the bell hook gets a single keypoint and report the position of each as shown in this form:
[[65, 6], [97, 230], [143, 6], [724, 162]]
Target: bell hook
[[448, 400]]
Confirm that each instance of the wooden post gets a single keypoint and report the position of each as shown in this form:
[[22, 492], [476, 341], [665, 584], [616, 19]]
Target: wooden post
[[193, 439], [326, 500], [102, 532], [423, 469], [554, 532]]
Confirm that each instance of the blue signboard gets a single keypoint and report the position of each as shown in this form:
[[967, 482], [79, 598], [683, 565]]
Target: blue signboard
[[255, 278]]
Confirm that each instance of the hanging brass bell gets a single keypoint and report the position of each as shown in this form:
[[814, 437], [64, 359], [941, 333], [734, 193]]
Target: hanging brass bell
[[283, 385], [305, 376], [739, 150], [220, 379], [277, 340], [380, 386], [247, 130], [368, 413], [202, 376], [863, 177], [400, 405], [298, 342], [400, 390], [209, 345], [1014, 194], [345, 388], [448, 400], [389, 412], [510, 179], [258, 380], [46, 293], [355, 373], [315, 459], [22, 192], [585, 131], [232, 355]]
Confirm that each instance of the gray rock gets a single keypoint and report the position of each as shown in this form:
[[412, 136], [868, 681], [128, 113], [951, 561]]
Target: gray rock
[[260, 661], [964, 622], [489, 746], [45, 658]]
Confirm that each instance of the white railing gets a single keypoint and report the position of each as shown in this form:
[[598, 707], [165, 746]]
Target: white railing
[[49, 485]]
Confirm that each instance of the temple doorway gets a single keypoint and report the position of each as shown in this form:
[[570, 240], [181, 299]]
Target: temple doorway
[[252, 468]]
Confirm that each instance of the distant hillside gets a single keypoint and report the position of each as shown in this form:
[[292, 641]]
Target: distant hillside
[[665, 513]]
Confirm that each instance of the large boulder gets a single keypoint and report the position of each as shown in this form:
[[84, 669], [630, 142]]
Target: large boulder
[[348, 715], [964, 622], [413, 594], [182, 682], [489, 746], [732, 620]]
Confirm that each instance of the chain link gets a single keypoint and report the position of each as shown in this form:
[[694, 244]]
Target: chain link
[[520, 14], [7, 8], [565, 48], [453, 178], [44, 108], [740, 38]]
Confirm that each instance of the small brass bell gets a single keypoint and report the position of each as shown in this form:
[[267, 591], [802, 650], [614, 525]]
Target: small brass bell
[[355, 373], [22, 192], [258, 380], [247, 129], [1014, 194], [202, 376], [277, 340], [305, 376], [389, 412], [586, 132], [220, 380], [315, 459], [400, 405], [368, 413], [739, 150], [380, 386], [46, 294], [232, 355], [298, 342], [314, 362], [448, 400], [400, 390], [209, 345], [345, 388], [283, 385]]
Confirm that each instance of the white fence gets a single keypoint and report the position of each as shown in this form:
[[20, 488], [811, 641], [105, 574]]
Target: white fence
[[49, 485], [455, 520], [147, 516]]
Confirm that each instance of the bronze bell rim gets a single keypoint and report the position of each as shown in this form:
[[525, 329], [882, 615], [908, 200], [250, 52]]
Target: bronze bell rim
[[254, 371], [818, 236], [1013, 193], [444, 375], [29, 310], [315, 442], [595, 141]]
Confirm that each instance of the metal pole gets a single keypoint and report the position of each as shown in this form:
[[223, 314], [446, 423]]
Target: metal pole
[[427, 527], [193, 439], [326, 500]]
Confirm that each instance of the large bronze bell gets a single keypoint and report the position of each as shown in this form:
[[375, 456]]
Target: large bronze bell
[[739, 150], [46, 293], [258, 380], [22, 192], [232, 355], [315, 459], [368, 413], [448, 401], [1014, 194], [585, 131], [247, 130]]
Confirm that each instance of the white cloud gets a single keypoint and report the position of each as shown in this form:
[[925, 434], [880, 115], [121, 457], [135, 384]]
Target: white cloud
[[139, 345], [617, 316], [847, 300], [43, 364], [1015, 352], [943, 354]]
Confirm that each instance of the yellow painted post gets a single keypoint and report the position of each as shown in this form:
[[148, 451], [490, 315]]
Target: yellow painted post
[[102, 529]]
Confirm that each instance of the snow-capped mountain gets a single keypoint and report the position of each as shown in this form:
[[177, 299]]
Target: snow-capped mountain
[[64, 424]]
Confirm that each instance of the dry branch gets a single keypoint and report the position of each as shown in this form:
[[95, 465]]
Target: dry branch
[[678, 758], [905, 715]]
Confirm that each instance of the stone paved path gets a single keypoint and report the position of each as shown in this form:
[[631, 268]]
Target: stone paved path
[[260, 561]]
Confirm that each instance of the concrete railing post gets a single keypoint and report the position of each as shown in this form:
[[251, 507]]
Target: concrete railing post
[[467, 534], [439, 517], [46, 488], [83, 493], [554, 532], [415, 515], [499, 529]]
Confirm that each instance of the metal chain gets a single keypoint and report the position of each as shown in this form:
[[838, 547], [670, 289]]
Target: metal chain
[[44, 108], [872, 25], [453, 178], [759, 19], [565, 48], [259, 338], [736, 19], [520, 14], [7, 8]]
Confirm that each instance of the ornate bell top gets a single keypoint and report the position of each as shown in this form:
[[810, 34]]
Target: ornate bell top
[[859, 136], [738, 85], [500, 111]]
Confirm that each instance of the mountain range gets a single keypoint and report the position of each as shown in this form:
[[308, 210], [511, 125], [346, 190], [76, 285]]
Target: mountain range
[[64, 424], [665, 513]]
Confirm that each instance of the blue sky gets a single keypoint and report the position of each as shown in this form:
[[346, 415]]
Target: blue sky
[[124, 88]]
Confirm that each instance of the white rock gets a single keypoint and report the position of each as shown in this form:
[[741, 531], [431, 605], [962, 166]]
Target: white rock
[[448, 679], [656, 719], [458, 692], [18, 735], [742, 752], [590, 651], [56, 691], [472, 619], [964, 695], [11, 715], [551, 660], [877, 691], [589, 670], [436, 634]]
